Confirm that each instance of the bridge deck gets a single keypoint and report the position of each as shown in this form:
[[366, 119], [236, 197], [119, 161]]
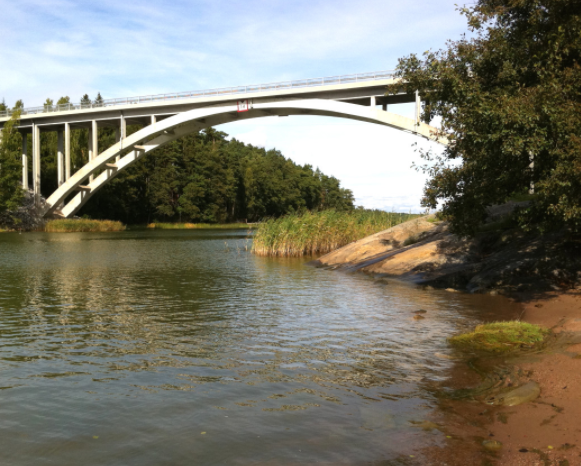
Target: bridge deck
[[357, 89]]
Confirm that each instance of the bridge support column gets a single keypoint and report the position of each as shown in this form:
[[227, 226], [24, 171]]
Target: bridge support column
[[60, 158], [418, 108], [120, 134], [93, 143], [372, 102], [25, 161], [67, 136], [36, 163]]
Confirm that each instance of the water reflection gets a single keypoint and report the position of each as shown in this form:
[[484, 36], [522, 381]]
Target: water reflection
[[160, 347]]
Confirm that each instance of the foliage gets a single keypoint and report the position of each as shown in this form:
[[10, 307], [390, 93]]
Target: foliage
[[82, 225], [501, 336], [11, 192], [205, 178], [509, 95], [201, 226], [311, 233]]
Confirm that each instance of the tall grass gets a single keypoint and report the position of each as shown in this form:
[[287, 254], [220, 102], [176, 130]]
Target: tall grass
[[313, 233], [82, 225], [195, 226]]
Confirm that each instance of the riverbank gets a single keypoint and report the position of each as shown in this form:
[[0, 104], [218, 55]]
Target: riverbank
[[203, 226], [423, 251], [543, 432], [540, 274], [82, 225]]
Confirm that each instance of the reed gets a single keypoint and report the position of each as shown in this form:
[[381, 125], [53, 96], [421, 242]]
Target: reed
[[313, 233], [195, 226], [82, 225]]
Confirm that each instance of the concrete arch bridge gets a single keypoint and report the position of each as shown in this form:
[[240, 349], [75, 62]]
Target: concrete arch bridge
[[167, 117]]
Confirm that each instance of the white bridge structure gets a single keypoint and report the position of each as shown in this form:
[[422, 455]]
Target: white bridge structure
[[167, 117]]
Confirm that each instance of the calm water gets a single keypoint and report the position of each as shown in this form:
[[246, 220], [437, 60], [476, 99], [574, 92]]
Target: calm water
[[181, 348]]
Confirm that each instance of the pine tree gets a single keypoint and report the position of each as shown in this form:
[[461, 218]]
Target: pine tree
[[11, 192]]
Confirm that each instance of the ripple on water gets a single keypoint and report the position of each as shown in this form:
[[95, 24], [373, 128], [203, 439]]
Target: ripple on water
[[123, 348]]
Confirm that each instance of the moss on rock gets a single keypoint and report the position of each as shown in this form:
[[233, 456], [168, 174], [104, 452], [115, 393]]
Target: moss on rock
[[501, 337]]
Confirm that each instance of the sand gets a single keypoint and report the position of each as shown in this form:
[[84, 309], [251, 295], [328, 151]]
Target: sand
[[544, 432]]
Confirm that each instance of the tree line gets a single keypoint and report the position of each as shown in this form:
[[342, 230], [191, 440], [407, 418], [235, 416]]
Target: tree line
[[203, 177]]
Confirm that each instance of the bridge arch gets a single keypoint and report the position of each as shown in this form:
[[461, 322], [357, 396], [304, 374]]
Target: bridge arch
[[132, 148]]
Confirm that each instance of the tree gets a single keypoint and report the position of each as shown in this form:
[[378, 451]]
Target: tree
[[98, 102], [11, 192], [48, 105], [509, 96], [85, 101]]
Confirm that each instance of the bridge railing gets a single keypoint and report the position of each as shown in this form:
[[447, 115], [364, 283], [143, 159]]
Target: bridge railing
[[296, 84]]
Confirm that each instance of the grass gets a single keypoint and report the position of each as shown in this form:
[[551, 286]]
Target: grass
[[313, 233], [82, 225], [501, 337], [195, 226]]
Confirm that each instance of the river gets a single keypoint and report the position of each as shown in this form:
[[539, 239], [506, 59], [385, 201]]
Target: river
[[181, 347]]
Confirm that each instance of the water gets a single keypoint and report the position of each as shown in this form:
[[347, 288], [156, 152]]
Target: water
[[181, 347]]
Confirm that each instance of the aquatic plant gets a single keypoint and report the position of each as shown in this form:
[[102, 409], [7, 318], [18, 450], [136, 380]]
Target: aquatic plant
[[501, 336], [82, 225], [195, 226], [311, 233]]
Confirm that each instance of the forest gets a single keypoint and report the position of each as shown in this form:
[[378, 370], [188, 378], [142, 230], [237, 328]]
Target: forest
[[204, 177]]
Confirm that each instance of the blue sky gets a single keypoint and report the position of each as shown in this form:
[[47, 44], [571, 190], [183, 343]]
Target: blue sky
[[53, 48]]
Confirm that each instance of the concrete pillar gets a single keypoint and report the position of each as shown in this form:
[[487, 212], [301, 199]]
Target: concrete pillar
[[60, 161], [93, 143], [418, 108], [25, 161], [384, 107], [153, 119], [121, 134], [67, 137], [372, 102], [36, 163]]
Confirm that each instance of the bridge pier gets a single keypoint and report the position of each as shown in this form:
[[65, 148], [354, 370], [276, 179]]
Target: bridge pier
[[120, 134], [60, 158], [36, 164], [93, 143], [67, 137], [25, 161]]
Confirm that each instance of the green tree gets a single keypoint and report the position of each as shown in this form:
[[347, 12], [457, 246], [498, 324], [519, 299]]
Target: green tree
[[48, 105], [508, 96], [98, 102], [11, 192], [86, 101]]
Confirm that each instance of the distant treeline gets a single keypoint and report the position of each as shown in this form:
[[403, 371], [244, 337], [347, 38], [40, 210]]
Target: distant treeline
[[200, 178]]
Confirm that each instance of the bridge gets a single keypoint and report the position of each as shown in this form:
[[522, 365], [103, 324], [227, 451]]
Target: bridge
[[167, 117]]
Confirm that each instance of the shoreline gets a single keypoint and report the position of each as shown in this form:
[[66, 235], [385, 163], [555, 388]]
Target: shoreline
[[546, 431]]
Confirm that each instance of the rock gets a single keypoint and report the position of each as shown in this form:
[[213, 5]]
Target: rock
[[492, 445], [523, 394], [420, 311], [444, 356], [418, 317]]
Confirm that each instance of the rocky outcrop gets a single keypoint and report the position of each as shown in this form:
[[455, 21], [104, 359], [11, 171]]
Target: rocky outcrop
[[423, 251], [26, 218]]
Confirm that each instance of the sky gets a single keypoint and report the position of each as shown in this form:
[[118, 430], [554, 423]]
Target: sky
[[54, 48]]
